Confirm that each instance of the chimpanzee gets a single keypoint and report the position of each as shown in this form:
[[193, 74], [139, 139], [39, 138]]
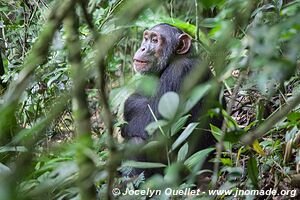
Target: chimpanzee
[[166, 52]]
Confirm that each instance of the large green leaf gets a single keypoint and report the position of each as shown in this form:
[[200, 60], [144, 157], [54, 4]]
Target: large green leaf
[[217, 132], [177, 126], [13, 149], [252, 170], [168, 105], [142, 165], [184, 135], [183, 152], [198, 157]]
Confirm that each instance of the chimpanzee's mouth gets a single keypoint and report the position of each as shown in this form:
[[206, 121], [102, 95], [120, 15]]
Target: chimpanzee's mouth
[[139, 61]]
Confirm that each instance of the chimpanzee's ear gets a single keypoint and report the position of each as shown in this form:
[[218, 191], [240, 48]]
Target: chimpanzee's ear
[[184, 43]]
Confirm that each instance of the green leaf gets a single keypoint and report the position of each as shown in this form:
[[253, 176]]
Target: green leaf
[[4, 169], [179, 124], [183, 152], [209, 22], [151, 145], [226, 161], [294, 117], [147, 85], [212, 3], [174, 173], [235, 171], [184, 135], [230, 122], [217, 133], [142, 165], [168, 105], [198, 157], [253, 171], [13, 149], [258, 149], [290, 9], [234, 136], [153, 126], [188, 28], [196, 95]]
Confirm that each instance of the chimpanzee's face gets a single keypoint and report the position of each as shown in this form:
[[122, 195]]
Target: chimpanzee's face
[[147, 56], [160, 44]]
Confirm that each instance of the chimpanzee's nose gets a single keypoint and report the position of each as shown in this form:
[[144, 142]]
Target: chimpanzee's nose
[[143, 49]]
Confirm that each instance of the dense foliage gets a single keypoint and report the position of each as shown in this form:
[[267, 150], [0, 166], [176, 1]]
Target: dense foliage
[[66, 69]]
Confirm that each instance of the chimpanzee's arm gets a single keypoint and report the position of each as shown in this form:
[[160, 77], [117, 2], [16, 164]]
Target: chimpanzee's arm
[[137, 115]]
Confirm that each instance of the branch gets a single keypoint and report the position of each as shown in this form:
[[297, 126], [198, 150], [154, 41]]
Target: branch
[[80, 109]]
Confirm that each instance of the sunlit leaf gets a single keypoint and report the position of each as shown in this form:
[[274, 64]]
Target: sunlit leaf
[[257, 148], [226, 161]]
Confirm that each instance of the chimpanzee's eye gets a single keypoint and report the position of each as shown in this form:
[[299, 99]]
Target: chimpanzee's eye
[[154, 39]]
